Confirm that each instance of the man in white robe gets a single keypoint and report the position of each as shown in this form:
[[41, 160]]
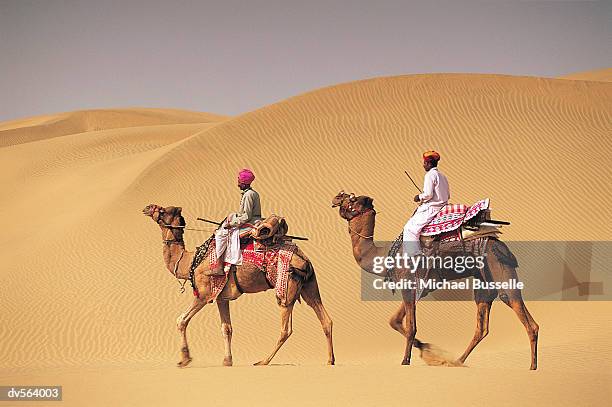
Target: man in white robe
[[227, 237], [434, 197]]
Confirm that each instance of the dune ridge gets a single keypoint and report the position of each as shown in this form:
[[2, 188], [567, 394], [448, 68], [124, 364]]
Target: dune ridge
[[603, 75], [61, 124]]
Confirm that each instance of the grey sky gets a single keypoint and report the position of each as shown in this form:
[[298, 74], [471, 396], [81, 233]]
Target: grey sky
[[230, 57]]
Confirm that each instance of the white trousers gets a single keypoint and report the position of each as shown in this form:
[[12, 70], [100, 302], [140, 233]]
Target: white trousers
[[227, 242], [412, 230]]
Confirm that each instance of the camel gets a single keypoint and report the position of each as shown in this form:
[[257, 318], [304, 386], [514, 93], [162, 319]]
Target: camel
[[247, 278], [500, 266]]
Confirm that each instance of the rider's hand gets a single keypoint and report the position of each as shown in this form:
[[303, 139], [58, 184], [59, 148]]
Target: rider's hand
[[417, 199]]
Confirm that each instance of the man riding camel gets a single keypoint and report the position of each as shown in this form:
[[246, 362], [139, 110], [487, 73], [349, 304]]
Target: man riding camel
[[434, 197], [227, 237]]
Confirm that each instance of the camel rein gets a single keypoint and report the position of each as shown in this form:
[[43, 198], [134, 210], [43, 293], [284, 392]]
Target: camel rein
[[352, 232], [201, 251], [180, 242], [183, 227], [175, 272]]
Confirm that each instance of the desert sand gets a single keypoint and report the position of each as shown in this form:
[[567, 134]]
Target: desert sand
[[603, 75], [88, 304]]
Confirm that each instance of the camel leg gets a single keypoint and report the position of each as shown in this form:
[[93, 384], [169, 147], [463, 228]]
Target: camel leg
[[310, 294], [410, 309], [514, 299], [527, 320], [482, 327], [226, 330], [181, 323], [327, 325], [533, 338], [286, 330], [397, 320]]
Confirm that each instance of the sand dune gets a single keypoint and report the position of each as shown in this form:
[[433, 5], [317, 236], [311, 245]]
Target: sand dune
[[602, 75], [61, 124], [87, 302]]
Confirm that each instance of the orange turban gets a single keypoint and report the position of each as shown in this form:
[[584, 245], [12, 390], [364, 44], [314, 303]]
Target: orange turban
[[431, 156]]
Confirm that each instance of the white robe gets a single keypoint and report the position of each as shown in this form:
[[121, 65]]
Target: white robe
[[227, 241], [227, 244], [434, 197]]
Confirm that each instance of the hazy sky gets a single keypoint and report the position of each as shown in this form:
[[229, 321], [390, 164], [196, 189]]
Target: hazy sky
[[230, 57]]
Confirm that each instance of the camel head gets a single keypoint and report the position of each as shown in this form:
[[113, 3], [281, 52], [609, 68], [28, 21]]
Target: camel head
[[169, 220], [341, 198], [351, 205]]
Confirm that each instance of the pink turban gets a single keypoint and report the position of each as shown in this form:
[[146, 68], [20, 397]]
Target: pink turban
[[246, 176]]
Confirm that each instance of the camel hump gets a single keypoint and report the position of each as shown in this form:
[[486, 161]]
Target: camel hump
[[273, 227]]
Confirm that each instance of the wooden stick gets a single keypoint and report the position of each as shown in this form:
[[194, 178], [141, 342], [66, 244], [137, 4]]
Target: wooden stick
[[210, 221], [219, 224], [413, 183]]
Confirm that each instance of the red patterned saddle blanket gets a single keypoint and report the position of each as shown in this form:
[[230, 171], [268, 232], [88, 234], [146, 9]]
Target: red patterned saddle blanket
[[275, 261], [452, 216]]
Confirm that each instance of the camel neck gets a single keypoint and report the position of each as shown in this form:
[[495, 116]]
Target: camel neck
[[175, 253], [361, 230]]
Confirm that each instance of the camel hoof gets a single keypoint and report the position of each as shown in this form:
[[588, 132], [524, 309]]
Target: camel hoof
[[405, 363], [331, 363], [260, 363], [184, 363], [227, 362]]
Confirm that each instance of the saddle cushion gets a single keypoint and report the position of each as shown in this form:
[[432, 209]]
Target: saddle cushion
[[274, 227], [452, 216]]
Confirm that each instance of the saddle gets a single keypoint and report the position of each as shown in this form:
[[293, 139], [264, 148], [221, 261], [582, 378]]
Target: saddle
[[451, 236], [453, 216], [270, 231]]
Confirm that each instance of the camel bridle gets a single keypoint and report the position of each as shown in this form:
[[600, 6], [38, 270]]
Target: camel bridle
[[352, 232], [170, 228], [346, 205]]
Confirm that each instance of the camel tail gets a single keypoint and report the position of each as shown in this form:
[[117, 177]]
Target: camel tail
[[310, 273], [503, 254]]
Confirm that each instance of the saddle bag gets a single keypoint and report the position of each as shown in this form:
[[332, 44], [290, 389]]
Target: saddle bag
[[273, 228]]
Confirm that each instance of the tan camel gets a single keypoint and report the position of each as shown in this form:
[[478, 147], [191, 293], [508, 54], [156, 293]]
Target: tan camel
[[500, 266], [246, 279]]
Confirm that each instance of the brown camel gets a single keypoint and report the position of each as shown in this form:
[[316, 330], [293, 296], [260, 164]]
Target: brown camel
[[500, 266], [246, 279]]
